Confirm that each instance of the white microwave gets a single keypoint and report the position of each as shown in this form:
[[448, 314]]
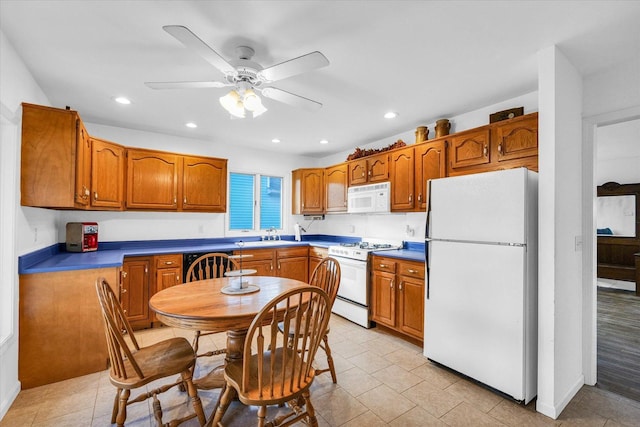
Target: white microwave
[[369, 198]]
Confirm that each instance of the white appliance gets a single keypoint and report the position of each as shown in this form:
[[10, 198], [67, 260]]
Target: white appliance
[[481, 284], [352, 301], [369, 198]]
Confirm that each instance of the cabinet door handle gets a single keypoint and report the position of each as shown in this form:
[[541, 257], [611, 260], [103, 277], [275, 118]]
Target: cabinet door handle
[[412, 271], [175, 200], [177, 279], [485, 151], [123, 291], [410, 198], [362, 173], [278, 265], [420, 197], [124, 274], [500, 149], [383, 266], [391, 284], [168, 262], [271, 266], [369, 172], [400, 286], [95, 195], [185, 201]]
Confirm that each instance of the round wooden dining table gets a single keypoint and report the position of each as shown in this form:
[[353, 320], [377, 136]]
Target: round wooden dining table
[[202, 306]]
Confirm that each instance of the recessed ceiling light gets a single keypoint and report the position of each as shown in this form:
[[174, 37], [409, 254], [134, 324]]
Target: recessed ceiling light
[[275, 140], [122, 100], [191, 125], [324, 141], [390, 115]]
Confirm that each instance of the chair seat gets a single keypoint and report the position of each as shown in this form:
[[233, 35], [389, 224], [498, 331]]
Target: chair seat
[[233, 375], [169, 357]]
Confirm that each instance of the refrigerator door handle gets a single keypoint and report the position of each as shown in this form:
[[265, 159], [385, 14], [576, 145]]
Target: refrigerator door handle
[[427, 253]]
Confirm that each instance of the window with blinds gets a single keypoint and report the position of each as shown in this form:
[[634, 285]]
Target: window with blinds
[[255, 201]]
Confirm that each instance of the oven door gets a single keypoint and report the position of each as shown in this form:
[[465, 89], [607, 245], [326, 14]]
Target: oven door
[[353, 281]]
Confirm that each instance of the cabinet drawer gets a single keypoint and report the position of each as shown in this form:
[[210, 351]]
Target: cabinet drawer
[[318, 252], [412, 269], [295, 251], [384, 264], [256, 254], [165, 261]]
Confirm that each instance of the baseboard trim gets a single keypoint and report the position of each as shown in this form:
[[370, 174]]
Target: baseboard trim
[[554, 410]]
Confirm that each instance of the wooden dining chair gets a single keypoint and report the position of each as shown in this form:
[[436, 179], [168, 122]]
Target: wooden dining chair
[[271, 372], [134, 367], [209, 266], [326, 276]]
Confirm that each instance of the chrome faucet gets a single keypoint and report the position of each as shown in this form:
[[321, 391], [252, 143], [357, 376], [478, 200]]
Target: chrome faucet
[[275, 235]]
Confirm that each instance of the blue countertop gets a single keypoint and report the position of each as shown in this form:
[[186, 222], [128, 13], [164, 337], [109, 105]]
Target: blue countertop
[[111, 254]]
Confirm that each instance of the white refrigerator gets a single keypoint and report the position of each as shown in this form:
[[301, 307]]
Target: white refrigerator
[[481, 282]]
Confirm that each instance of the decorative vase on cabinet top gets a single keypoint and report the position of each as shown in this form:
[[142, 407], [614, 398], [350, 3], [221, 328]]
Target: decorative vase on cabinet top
[[422, 133], [442, 127]]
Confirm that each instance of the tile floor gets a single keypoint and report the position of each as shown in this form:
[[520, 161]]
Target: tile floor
[[382, 381]]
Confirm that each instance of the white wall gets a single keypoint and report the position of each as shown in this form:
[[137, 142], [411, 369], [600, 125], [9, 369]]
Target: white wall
[[16, 85], [560, 213]]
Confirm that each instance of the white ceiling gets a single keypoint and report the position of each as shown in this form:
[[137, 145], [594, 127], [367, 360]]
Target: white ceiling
[[424, 59]]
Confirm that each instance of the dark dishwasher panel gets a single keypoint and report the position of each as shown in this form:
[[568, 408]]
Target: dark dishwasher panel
[[188, 258]]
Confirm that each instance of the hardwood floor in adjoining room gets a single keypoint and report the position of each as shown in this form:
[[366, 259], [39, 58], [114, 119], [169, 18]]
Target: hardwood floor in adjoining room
[[619, 342], [382, 381]]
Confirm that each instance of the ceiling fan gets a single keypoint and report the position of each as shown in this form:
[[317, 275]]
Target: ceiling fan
[[245, 76]]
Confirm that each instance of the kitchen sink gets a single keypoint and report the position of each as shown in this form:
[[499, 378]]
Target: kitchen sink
[[260, 243]]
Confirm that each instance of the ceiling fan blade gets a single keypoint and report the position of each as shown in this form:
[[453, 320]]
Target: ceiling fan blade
[[185, 85], [299, 65], [190, 40], [291, 99]]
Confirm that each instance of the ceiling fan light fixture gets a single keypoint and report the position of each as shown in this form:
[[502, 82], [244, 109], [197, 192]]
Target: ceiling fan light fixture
[[251, 101], [233, 104], [259, 110]]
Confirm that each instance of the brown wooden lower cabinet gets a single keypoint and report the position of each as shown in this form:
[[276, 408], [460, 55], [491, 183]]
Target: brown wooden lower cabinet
[[397, 295], [316, 254], [135, 291], [61, 332], [291, 262]]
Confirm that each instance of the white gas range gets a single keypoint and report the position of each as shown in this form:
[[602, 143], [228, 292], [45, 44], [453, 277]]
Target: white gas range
[[352, 301]]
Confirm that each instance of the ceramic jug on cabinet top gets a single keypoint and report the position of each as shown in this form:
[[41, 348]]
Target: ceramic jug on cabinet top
[[442, 127]]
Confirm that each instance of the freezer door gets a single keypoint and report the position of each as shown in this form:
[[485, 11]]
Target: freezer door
[[488, 207], [474, 315]]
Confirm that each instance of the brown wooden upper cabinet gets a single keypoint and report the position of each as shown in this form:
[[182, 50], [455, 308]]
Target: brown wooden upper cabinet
[[152, 180], [411, 168], [470, 148], [517, 138], [167, 181], [107, 174], [430, 163], [336, 179], [369, 169], [501, 145], [204, 184], [55, 158], [63, 167], [308, 191], [402, 173]]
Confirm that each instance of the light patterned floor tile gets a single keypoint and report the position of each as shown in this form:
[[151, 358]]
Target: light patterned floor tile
[[397, 378], [386, 403], [338, 407], [417, 417], [465, 415], [479, 397], [369, 362], [435, 401]]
